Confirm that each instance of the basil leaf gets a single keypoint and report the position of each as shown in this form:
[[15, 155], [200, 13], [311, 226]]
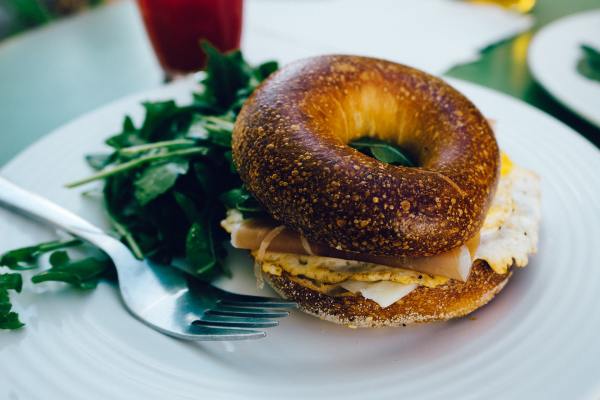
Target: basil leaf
[[382, 151]]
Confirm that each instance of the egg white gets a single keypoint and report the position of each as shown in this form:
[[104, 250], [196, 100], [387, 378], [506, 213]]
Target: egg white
[[510, 231]]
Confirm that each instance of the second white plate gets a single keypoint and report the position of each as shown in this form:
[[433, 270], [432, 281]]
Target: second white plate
[[553, 57]]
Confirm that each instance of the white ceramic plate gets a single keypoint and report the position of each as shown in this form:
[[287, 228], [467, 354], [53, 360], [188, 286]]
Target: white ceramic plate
[[553, 57], [538, 338]]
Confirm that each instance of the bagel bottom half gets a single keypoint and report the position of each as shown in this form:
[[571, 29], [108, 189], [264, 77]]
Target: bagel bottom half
[[451, 300]]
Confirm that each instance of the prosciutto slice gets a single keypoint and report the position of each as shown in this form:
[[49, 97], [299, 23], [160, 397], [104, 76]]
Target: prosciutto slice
[[266, 235]]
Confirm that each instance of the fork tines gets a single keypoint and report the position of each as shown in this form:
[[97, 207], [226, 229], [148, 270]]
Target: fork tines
[[241, 311]]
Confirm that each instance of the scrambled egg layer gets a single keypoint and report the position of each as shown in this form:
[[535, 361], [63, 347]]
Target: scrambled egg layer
[[334, 270]]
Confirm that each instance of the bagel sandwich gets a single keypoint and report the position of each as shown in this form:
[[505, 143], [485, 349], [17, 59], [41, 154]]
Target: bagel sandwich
[[363, 243]]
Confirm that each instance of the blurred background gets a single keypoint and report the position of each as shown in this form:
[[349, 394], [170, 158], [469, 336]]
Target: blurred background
[[92, 52], [19, 15]]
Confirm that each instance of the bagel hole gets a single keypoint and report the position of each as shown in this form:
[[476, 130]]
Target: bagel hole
[[384, 151]]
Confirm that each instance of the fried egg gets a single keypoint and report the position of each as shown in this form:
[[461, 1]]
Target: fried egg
[[510, 230], [508, 236]]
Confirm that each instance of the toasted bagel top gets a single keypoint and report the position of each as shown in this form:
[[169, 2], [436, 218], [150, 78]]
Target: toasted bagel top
[[290, 145]]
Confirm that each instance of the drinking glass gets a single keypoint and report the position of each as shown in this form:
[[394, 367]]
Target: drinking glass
[[177, 27]]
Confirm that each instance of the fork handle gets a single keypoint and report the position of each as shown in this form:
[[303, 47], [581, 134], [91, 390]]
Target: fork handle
[[37, 207]]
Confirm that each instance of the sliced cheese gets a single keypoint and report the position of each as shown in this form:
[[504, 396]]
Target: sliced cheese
[[384, 293]]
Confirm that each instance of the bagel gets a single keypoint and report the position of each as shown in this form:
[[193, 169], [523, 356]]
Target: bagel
[[290, 146], [363, 243]]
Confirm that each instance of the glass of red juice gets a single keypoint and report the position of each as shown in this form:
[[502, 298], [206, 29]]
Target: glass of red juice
[[177, 27]]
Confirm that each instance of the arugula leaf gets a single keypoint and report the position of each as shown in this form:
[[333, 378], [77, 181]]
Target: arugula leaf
[[99, 161], [265, 69], [130, 165], [228, 155], [229, 80], [164, 120], [26, 257], [382, 151], [592, 54], [226, 75], [139, 150], [11, 281], [234, 197], [199, 248], [217, 130], [163, 182], [157, 179], [205, 177], [58, 258], [83, 274], [9, 319], [129, 135], [157, 113], [589, 63]]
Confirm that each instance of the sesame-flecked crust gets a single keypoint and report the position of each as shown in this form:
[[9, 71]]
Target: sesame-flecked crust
[[454, 299], [290, 147]]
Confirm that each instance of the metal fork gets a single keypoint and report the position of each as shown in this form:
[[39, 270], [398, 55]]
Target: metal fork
[[160, 296]]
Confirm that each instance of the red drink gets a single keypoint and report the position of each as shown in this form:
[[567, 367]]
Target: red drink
[[176, 28]]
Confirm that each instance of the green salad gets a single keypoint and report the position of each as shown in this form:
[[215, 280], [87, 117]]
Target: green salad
[[167, 185]]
